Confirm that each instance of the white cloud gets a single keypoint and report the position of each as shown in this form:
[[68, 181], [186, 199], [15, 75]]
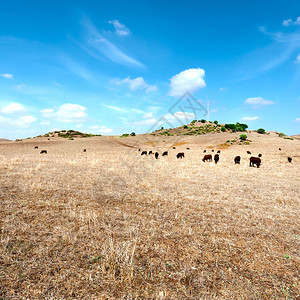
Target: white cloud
[[23, 122], [78, 125], [20, 86], [13, 108], [297, 120], [101, 129], [189, 80], [222, 89], [297, 61], [290, 22], [250, 118], [45, 123], [258, 101], [66, 113], [120, 28], [137, 83], [116, 108], [148, 115], [8, 76], [180, 115], [147, 122]]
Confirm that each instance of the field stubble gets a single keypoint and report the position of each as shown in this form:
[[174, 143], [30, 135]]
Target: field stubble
[[89, 226]]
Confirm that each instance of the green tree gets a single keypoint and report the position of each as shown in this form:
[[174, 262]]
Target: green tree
[[261, 131]]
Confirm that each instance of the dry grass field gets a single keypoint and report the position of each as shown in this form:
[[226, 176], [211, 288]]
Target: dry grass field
[[112, 224]]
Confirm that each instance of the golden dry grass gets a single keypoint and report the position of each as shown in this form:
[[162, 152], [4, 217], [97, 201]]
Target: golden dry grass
[[109, 223]]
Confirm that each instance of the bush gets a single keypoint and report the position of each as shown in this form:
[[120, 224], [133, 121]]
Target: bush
[[185, 127], [243, 137], [132, 133], [261, 131], [216, 122], [223, 129], [125, 135], [193, 122], [202, 121]]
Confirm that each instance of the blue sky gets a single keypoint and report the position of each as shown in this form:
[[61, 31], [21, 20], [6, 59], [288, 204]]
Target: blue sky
[[111, 67]]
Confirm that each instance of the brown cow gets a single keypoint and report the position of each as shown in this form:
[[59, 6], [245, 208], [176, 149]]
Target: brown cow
[[165, 153], [248, 152], [36, 147], [204, 151], [174, 147], [216, 158], [187, 148], [259, 155], [289, 159], [84, 150], [180, 155], [144, 153], [237, 160], [218, 151], [279, 149], [207, 157], [255, 161], [150, 152]]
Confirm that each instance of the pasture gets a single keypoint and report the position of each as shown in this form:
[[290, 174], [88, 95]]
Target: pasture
[[111, 223]]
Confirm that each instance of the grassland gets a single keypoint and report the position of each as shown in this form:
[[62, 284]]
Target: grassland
[[109, 223]]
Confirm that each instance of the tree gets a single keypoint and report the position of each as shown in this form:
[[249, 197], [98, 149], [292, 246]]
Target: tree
[[132, 133], [223, 129], [243, 137]]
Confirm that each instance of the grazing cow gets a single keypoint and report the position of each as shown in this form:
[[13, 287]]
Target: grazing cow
[[36, 147], [207, 157], [204, 151], [212, 150], [139, 150], [43, 151], [279, 149], [216, 158], [187, 148], [259, 155], [144, 153], [84, 150], [150, 152], [218, 151], [165, 153], [174, 147], [180, 155], [248, 152], [289, 159], [156, 155], [255, 161], [48, 139], [237, 160]]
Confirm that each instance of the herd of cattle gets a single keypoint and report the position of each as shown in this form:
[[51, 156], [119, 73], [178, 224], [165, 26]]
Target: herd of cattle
[[254, 161]]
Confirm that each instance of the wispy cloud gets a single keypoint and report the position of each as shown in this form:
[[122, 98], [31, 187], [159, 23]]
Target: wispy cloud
[[120, 28], [7, 75], [249, 119], [95, 43], [76, 68], [291, 22], [124, 110], [101, 129], [256, 102], [297, 120], [23, 122], [137, 83]]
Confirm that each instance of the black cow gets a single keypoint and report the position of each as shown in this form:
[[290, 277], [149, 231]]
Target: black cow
[[139, 150], [212, 150], [259, 155], [165, 153], [216, 158], [279, 149], [48, 139], [84, 150], [180, 155], [187, 148], [36, 147], [174, 147], [248, 152], [204, 151], [150, 152], [218, 151], [144, 153], [289, 159], [237, 160], [255, 161], [156, 155], [207, 157], [43, 151]]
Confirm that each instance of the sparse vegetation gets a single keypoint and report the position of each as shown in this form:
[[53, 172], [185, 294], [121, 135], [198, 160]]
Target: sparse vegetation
[[125, 135], [243, 137], [261, 131], [132, 134]]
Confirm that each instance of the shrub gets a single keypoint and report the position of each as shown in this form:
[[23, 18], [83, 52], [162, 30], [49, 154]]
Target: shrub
[[132, 133], [193, 122], [125, 135], [223, 129], [185, 127], [243, 137], [280, 134], [261, 131], [202, 121], [216, 122]]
